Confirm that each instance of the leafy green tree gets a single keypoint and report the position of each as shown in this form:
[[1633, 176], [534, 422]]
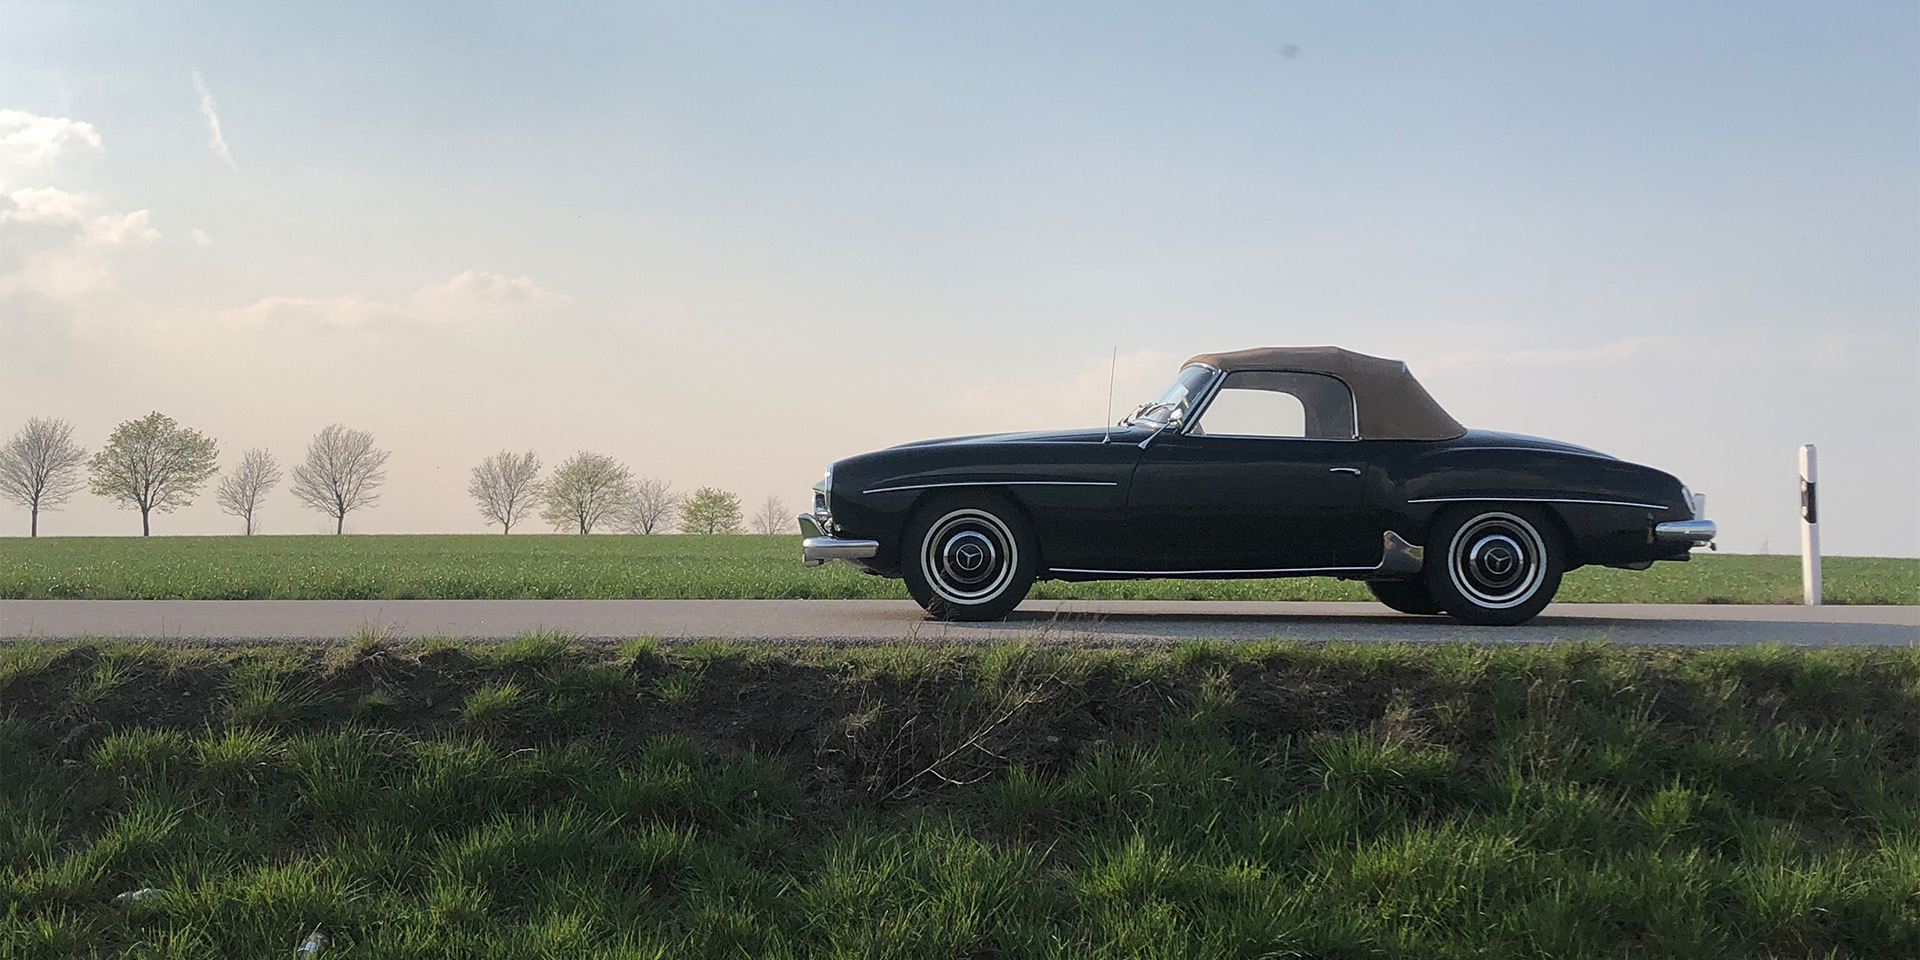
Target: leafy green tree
[[585, 490], [153, 464], [710, 510]]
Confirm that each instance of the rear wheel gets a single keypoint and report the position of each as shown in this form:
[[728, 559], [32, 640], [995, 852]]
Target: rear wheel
[[1493, 566], [970, 558], [1406, 596]]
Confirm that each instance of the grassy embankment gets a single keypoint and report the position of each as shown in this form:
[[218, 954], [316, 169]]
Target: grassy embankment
[[747, 567], [542, 799]]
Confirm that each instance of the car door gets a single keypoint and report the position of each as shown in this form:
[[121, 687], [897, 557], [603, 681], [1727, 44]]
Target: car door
[[1267, 476]]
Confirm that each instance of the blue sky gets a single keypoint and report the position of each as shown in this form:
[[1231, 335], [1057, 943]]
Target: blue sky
[[729, 243]]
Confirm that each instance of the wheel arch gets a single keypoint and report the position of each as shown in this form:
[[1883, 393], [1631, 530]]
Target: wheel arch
[[1557, 523], [927, 498]]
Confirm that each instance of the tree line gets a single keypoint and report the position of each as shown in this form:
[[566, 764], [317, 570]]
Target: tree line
[[592, 491], [156, 465]]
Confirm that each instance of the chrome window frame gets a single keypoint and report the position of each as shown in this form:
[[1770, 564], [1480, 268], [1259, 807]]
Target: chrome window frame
[[1219, 383], [1206, 392]]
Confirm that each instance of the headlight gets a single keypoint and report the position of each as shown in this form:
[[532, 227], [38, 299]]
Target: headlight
[[823, 501]]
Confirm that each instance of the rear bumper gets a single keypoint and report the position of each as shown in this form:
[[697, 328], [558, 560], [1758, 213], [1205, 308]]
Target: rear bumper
[[818, 548], [1685, 531]]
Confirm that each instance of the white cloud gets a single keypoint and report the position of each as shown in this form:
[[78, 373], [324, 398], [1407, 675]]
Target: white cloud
[[49, 205], [29, 139], [474, 290], [215, 139], [82, 261], [113, 230], [467, 297], [316, 311], [200, 239], [67, 246]]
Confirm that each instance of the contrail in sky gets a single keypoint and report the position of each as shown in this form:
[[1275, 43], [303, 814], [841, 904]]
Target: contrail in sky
[[217, 140]]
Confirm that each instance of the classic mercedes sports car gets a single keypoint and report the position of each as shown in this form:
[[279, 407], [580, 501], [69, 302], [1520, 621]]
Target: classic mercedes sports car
[[1277, 462]]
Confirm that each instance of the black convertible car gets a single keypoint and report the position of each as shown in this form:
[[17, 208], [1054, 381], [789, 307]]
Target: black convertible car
[[1279, 462]]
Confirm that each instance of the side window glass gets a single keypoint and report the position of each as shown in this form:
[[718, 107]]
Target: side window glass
[[1281, 405], [1238, 412]]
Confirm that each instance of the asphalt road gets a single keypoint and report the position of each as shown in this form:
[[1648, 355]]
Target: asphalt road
[[1109, 621]]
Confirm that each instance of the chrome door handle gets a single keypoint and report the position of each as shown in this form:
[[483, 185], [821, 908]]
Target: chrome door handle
[[1353, 470]]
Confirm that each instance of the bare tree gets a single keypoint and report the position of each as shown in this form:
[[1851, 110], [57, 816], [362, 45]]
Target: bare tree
[[772, 517], [153, 464], [342, 473], [652, 507], [586, 490], [40, 467], [711, 510], [240, 492], [506, 485]]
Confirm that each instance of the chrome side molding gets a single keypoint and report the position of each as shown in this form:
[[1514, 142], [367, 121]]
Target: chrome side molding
[[1398, 558], [992, 483]]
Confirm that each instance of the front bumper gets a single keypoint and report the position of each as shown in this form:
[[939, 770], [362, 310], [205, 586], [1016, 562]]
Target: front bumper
[[818, 548], [1696, 532]]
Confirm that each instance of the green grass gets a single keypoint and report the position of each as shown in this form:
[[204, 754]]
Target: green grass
[[740, 567], [543, 798]]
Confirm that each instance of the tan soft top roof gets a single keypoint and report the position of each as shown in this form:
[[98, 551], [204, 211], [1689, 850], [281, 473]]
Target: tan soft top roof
[[1390, 403]]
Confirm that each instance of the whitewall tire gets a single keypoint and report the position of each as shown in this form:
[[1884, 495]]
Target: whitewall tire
[[970, 558]]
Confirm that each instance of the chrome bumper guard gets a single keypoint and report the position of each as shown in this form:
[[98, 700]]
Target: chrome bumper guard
[[818, 548], [1685, 531]]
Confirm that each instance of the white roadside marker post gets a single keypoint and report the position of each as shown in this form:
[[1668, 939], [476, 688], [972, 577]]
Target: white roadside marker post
[[1809, 527]]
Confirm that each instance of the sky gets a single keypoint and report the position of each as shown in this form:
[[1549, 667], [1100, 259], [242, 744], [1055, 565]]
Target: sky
[[729, 243]]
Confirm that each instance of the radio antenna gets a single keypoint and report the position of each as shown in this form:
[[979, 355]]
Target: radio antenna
[[1113, 370]]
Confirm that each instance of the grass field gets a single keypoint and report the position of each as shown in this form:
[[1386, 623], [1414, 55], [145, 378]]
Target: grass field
[[543, 799], [743, 567]]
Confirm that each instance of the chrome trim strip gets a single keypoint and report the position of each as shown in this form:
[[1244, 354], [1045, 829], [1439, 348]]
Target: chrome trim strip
[[995, 483], [1694, 531], [1253, 436], [1589, 454], [1189, 573], [1604, 503], [1397, 557], [815, 551]]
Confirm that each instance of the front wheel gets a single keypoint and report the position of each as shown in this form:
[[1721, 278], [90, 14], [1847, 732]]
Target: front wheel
[[1494, 566], [969, 558]]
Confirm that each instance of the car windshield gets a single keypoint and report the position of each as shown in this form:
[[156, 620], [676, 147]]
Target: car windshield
[[1173, 403]]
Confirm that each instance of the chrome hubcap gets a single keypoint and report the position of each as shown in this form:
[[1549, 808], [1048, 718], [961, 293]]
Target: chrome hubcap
[[968, 556], [1497, 560]]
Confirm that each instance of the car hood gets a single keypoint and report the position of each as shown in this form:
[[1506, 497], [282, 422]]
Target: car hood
[[1086, 435], [1495, 438]]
